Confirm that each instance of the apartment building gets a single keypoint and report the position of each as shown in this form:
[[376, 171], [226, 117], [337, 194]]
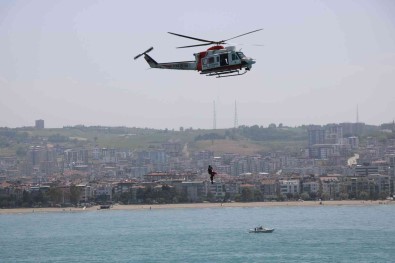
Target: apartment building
[[289, 187]]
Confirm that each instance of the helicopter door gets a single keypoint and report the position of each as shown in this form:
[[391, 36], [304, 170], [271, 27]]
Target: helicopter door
[[234, 59], [210, 62], [224, 59]]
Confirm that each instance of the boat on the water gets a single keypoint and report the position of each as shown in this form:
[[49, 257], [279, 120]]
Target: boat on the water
[[104, 207], [261, 229]]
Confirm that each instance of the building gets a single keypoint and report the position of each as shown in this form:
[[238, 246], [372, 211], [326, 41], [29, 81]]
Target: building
[[330, 187], [85, 192], [353, 141], [324, 151], [172, 148], [365, 170], [194, 190], [103, 192], [41, 160], [311, 187], [217, 190], [269, 189], [333, 134], [76, 156], [316, 135], [289, 187], [39, 124], [352, 128]]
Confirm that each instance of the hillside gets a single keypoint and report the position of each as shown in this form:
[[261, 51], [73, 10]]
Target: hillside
[[244, 140]]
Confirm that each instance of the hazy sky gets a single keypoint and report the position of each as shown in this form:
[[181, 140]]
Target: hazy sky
[[71, 62]]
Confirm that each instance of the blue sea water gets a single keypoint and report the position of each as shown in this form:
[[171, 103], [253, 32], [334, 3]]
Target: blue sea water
[[302, 234]]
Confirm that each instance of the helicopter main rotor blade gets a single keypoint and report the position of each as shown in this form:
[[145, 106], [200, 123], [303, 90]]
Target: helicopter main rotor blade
[[194, 38], [242, 35], [199, 45], [241, 44]]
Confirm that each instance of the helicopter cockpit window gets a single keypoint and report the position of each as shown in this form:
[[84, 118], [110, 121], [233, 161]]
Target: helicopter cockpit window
[[234, 56], [241, 55], [211, 60]]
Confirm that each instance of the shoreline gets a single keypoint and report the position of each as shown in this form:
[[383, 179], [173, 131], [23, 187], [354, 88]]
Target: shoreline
[[197, 206]]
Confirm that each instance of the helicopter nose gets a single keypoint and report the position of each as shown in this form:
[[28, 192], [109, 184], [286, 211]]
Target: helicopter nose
[[249, 61]]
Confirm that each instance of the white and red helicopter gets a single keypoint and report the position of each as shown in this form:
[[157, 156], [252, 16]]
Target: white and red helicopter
[[217, 60]]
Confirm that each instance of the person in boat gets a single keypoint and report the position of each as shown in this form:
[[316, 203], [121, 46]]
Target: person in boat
[[211, 172]]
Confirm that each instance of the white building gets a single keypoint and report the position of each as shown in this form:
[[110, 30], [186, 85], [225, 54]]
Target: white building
[[289, 187], [311, 187]]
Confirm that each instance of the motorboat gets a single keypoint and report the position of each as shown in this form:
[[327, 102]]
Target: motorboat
[[261, 229], [104, 207]]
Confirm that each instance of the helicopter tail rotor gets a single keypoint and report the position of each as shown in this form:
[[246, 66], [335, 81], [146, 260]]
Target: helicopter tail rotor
[[147, 51]]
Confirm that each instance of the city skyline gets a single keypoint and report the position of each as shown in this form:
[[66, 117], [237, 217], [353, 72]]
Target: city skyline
[[40, 124], [71, 63]]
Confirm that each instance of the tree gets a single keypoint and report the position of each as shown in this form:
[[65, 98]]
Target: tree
[[343, 196], [58, 138], [226, 197], [75, 194], [313, 196], [125, 198], [26, 199], [363, 195], [280, 197], [247, 195], [258, 195], [140, 195], [21, 151], [383, 195], [289, 196], [55, 195], [305, 196], [324, 196]]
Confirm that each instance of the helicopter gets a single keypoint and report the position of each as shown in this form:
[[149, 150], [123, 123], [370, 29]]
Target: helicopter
[[217, 60]]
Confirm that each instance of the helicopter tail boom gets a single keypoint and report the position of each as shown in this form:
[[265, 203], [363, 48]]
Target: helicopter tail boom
[[181, 65]]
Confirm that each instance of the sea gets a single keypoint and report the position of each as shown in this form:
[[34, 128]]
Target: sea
[[302, 234]]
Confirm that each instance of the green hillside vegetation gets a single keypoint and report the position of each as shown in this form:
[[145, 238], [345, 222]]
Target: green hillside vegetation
[[246, 140]]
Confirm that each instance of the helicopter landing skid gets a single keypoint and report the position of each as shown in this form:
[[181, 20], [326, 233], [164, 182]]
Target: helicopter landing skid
[[229, 73]]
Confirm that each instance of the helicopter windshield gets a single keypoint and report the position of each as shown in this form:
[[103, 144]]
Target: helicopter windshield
[[241, 55]]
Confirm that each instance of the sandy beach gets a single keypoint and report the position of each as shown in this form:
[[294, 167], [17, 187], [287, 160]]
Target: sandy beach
[[198, 205]]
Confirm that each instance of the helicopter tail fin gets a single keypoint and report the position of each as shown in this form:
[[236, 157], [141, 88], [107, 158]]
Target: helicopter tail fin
[[151, 61]]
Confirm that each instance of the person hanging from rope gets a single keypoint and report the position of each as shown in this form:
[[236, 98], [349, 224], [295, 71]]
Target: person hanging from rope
[[211, 173]]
